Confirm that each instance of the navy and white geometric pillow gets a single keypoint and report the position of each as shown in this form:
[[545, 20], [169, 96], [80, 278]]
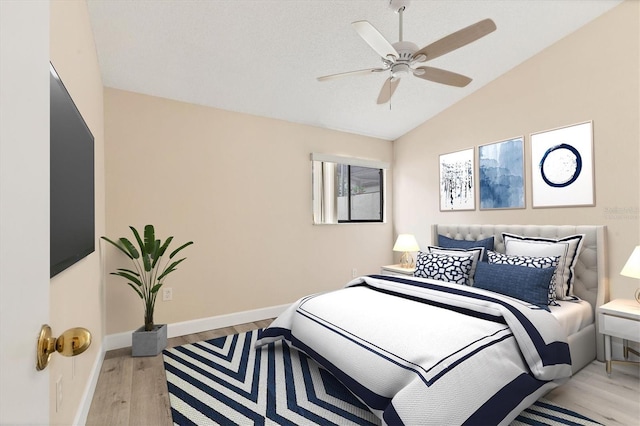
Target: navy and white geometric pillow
[[476, 254], [531, 262], [442, 267]]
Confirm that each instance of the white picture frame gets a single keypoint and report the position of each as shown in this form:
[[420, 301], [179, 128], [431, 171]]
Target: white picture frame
[[457, 181], [562, 169]]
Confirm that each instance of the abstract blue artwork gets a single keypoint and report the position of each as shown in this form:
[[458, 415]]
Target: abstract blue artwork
[[501, 174]]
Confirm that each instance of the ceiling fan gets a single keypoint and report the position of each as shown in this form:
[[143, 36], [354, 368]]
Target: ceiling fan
[[402, 57]]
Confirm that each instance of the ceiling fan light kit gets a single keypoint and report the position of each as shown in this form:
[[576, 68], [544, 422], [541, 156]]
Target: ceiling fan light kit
[[401, 57]]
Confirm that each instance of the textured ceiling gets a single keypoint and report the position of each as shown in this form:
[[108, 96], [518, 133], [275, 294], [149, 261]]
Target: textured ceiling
[[262, 57]]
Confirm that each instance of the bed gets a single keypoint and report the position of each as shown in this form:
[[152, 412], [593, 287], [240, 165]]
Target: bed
[[591, 280], [419, 350]]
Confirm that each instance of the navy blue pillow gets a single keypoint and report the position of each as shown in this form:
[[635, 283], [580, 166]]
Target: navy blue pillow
[[487, 243], [521, 282]]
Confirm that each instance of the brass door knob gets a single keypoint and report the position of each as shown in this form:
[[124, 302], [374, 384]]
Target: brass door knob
[[70, 343]]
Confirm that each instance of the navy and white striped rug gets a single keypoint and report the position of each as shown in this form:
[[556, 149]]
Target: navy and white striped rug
[[226, 381]]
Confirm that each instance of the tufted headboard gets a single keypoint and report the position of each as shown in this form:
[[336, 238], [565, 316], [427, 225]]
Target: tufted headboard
[[591, 280]]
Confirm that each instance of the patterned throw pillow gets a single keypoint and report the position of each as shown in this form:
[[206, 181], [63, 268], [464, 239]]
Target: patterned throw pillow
[[476, 254], [568, 248], [453, 269], [500, 278], [531, 262]]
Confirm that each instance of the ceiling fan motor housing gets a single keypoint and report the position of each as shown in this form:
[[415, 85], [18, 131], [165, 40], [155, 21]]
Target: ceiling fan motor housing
[[406, 49], [401, 65]]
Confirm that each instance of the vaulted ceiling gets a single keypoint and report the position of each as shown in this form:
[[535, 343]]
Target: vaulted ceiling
[[262, 57]]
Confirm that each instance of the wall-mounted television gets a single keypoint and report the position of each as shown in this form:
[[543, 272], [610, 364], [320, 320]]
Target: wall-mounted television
[[72, 193]]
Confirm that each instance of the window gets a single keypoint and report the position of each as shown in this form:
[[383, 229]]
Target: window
[[347, 190], [359, 194]]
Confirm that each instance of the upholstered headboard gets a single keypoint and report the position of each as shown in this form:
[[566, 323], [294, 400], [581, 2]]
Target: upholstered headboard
[[591, 283]]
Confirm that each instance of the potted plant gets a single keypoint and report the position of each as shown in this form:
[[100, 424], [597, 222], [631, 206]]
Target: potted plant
[[146, 278]]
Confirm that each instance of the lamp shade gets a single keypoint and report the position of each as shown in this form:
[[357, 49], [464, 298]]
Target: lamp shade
[[406, 242], [632, 267]]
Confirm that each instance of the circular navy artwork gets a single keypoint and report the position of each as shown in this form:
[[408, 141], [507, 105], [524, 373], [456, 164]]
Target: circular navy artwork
[[560, 165]]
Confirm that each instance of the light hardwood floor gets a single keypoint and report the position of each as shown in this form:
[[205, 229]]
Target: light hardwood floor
[[133, 391]]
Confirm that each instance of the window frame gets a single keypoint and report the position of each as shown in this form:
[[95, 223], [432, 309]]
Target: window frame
[[325, 188]]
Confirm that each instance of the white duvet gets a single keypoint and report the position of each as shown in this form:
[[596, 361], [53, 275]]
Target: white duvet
[[420, 352]]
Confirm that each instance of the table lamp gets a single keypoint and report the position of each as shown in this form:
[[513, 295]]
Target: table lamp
[[632, 268], [406, 243]]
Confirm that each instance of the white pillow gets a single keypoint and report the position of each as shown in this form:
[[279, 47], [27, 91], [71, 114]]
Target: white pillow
[[567, 248], [476, 253]]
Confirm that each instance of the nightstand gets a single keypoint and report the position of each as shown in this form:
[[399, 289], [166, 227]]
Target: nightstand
[[619, 318], [396, 270]]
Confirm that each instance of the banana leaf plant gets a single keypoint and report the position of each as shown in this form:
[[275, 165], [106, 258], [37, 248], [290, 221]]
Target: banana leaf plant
[[149, 272]]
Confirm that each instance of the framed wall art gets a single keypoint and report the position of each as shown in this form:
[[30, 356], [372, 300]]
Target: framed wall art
[[501, 174], [457, 181], [562, 166]]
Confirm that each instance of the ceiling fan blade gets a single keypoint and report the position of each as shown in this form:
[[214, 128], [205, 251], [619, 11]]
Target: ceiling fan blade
[[442, 76], [455, 40], [387, 90], [373, 37], [344, 74]]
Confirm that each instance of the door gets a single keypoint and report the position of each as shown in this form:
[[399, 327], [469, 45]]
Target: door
[[24, 208]]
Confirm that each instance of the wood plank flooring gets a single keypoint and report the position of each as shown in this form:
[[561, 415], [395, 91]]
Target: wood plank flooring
[[133, 391]]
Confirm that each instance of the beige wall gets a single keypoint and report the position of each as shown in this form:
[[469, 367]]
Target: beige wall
[[76, 293], [239, 186], [593, 74]]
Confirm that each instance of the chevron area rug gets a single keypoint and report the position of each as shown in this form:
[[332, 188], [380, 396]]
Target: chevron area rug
[[226, 381]]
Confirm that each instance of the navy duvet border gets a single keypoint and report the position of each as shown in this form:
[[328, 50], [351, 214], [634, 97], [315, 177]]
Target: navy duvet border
[[553, 353]]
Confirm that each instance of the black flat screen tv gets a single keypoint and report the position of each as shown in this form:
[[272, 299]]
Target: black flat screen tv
[[72, 193]]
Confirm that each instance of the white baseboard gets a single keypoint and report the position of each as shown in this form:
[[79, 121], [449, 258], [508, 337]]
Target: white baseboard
[[90, 389], [123, 340]]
